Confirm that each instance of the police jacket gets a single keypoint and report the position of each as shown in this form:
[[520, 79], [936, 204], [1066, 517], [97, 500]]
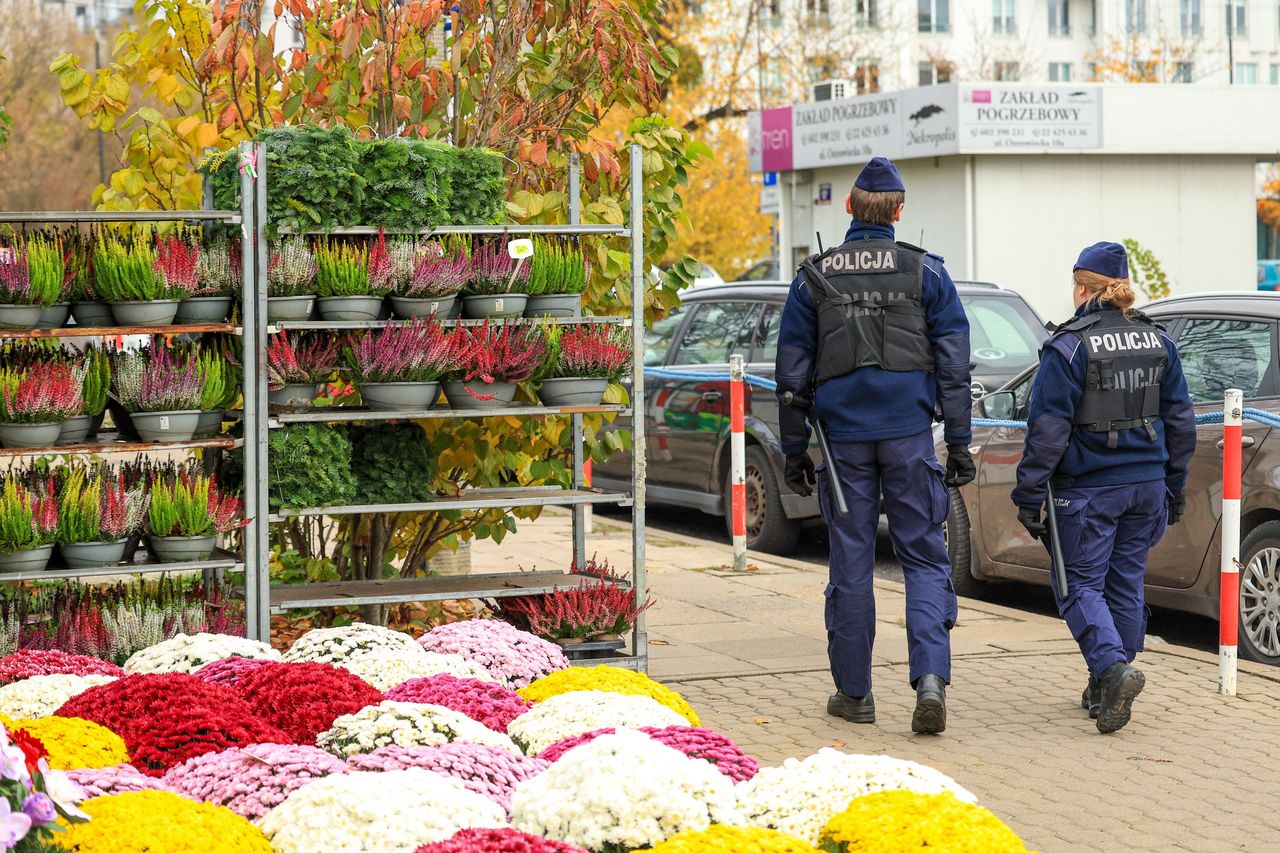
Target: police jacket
[[873, 403], [1081, 445]]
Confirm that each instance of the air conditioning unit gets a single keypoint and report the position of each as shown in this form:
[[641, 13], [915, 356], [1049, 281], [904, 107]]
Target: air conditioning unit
[[833, 90]]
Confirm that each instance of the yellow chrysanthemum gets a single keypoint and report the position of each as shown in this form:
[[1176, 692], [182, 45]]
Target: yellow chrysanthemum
[[75, 744], [159, 820], [892, 821], [611, 679], [734, 839]]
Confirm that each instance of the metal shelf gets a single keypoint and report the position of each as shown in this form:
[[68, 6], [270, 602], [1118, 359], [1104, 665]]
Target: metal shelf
[[477, 230], [122, 446], [399, 590], [229, 562], [115, 331], [231, 217], [321, 325], [473, 499], [344, 414]]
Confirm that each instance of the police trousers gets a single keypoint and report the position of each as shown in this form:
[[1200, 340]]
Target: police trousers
[[907, 473], [1106, 533]]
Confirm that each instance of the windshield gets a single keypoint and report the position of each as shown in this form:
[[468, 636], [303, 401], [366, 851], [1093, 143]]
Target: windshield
[[1004, 333]]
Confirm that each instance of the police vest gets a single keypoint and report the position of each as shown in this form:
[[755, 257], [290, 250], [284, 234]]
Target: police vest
[[867, 297], [1125, 363]]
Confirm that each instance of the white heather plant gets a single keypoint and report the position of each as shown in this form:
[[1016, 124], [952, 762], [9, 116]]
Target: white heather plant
[[582, 711], [183, 653], [41, 695], [292, 269], [406, 724]]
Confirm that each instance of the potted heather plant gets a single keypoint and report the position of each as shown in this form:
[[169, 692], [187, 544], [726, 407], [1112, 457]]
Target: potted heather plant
[[97, 514], [47, 266], [487, 362], [598, 611], [346, 291], [496, 286], [218, 274], [131, 280], [399, 367], [27, 283], [557, 277], [87, 307], [291, 275], [95, 388], [432, 287], [581, 362], [295, 372], [217, 379], [28, 523], [186, 513], [161, 390], [35, 400], [75, 429], [178, 257]]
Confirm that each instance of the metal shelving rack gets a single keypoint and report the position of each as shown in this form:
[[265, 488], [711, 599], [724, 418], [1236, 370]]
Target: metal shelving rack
[[221, 561], [263, 598]]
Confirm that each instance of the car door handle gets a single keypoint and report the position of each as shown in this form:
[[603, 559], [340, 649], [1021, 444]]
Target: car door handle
[[1245, 441], [712, 396]]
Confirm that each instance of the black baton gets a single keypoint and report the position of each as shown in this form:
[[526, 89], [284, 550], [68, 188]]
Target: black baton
[[1055, 543], [797, 402]]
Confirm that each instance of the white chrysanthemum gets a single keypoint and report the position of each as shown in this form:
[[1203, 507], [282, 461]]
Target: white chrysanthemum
[[582, 711], [406, 724], [41, 695], [802, 795], [184, 653], [333, 645], [390, 667], [623, 791], [393, 812]]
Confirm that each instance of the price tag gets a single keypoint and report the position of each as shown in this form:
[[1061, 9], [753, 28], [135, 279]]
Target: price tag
[[497, 305], [164, 422], [435, 307], [6, 255]]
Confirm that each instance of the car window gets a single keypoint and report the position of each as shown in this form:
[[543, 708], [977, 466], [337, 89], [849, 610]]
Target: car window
[[657, 340], [1004, 333], [718, 329], [761, 271], [766, 345], [1222, 354]]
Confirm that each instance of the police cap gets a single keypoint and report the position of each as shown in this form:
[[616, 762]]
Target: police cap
[[1107, 259], [880, 176]]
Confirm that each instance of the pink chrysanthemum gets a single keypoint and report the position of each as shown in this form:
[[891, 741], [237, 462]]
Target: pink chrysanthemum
[[251, 780], [492, 704], [487, 770], [693, 742]]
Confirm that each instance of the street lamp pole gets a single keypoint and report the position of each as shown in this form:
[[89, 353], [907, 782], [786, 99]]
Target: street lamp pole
[[1231, 54], [97, 65]]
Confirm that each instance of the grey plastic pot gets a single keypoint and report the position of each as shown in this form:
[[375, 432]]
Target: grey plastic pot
[[92, 555], [95, 424], [554, 305], [182, 549], [76, 430], [349, 307], [30, 435], [92, 314], [292, 396], [33, 560], [158, 313], [208, 425], [399, 396], [407, 308], [55, 316], [203, 309], [165, 426], [502, 305], [500, 393], [285, 308], [572, 391], [19, 316]]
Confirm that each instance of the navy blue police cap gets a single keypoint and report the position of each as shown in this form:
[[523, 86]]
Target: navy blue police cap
[[1107, 259], [880, 176]]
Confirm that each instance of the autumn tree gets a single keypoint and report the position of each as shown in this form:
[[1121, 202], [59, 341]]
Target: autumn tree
[[1139, 59], [1269, 209]]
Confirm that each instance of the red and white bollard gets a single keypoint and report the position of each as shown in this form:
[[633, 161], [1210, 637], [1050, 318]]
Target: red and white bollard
[[1229, 570], [738, 461]]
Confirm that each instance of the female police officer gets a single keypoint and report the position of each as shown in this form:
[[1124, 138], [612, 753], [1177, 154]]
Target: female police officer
[[1112, 430]]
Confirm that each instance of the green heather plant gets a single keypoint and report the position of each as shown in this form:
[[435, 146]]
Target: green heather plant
[[342, 269], [125, 270], [77, 269], [47, 269], [97, 506], [217, 377], [96, 381], [190, 504], [556, 267], [28, 515]]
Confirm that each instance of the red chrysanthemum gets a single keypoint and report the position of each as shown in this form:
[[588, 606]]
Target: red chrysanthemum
[[227, 670], [32, 749], [303, 699], [483, 701], [693, 742], [26, 663], [485, 840]]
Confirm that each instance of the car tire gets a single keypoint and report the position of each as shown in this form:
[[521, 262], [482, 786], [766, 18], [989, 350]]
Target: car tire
[[1260, 594], [768, 528], [960, 549]]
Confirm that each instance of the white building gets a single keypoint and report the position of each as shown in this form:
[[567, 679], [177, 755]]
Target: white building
[[92, 13]]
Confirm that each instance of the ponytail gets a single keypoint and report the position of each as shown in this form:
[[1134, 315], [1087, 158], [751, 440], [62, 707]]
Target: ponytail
[[1116, 292]]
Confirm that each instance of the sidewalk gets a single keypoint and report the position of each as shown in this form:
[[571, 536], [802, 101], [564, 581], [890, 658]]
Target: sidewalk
[[1194, 771]]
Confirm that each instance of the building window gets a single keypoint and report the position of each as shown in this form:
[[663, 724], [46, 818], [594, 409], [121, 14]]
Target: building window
[[864, 15], [1275, 75], [1237, 21], [1192, 17], [1002, 23], [1093, 18], [1091, 69], [1182, 72], [1247, 73], [1135, 17], [1059, 22], [930, 73], [1059, 72], [935, 16], [818, 7], [867, 76], [1006, 71]]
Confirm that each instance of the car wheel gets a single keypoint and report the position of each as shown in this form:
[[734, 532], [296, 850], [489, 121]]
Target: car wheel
[[960, 549], [768, 528], [1260, 594]]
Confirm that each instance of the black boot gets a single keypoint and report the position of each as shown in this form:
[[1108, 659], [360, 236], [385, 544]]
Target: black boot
[[861, 710], [1118, 685], [931, 705], [1091, 699]]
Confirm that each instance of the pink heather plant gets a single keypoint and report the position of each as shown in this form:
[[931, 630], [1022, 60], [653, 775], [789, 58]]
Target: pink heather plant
[[15, 278], [502, 353], [513, 657], [491, 269], [488, 770], [483, 701], [417, 351], [41, 393], [227, 671], [178, 261], [693, 742], [28, 663], [310, 362], [251, 780], [119, 779], [438, 274], [157, 379]]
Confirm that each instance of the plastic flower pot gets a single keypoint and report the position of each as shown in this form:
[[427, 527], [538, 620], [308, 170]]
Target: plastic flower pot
[[165, 426], [54, 316], [209, 424], [76, 430], [203, 309], [350, 307], [92, 555], [595, 648], [158, 313], [554, 305], [492, 395], [285, 308], [30, 435], [92, 314], [399, 396], [19, 316], [122, 420], [95, 424], [406, 308], [501, 305], [572, 391], [292, 396], [32, 560], [182, 549]]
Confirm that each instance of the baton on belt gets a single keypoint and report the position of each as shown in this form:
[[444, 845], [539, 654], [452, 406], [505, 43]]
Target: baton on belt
[[797, 402], [1054, 543]]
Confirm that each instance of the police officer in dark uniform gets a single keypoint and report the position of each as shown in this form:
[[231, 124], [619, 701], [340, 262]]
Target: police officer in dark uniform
[[1112, 429], [873, 333]]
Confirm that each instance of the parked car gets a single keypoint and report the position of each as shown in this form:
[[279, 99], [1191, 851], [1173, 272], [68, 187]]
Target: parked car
[[765, 270], [1227, 340], [1268, 275], [687, 422]]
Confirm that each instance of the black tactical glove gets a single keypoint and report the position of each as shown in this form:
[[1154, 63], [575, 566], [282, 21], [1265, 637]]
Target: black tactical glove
[[1177, 502], [960, 467], [799, 474], [1029, 517]]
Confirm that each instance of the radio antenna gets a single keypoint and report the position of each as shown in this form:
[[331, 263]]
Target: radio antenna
[[818, 234]]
